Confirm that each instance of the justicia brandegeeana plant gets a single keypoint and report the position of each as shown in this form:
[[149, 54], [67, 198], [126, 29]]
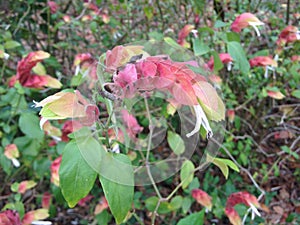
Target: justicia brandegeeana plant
[[95, 148]]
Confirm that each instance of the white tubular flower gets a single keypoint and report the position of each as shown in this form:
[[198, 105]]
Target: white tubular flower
[[254, 25], [6, 56], [254, 211], [267, 70], [15, 162], [201, 119], [298, 35], [229, 66]]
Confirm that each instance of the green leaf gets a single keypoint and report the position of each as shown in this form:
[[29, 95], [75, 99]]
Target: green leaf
[[233, 36], [286, 149], [236, 51], [176, 202], [148, 10], [193, 219], [218, 65], [186, 204], [199, 47], [11, 44], [219, 24], [76, 177], [119, 196], [296, 93], [29, 125], [151, 204], [187, 173], [172, 43], [223, 165], [176, 143]]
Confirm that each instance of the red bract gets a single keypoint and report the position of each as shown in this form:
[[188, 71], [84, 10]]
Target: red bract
[[262, 61], [126, 76], [131, 124], [26, 185], [101, 206], [54, 170], [244, 20], [183, 33], [10, 217], [46, 200], [69, 127], [289, 34], [81, 58], [53, 6], [240, 198], [29, 79], [230, 114], [38, 214], [202, 198], [224, 57], [120, 55], [85, 200]]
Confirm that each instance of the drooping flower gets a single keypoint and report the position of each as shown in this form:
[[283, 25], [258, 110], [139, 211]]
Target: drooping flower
[[295, 58], [264, 61], [67, 18], [160, 72], [241, 198], [53, 6], [27, 78], [26, 185], [11, 152], [68, 104], [31, 216], [10, 217], [245, 20], [230, 114], [225, 59], [276, 94], [202, 198], [289, 34], [52, 131], [183, 33], [54, 170], [86, 18]]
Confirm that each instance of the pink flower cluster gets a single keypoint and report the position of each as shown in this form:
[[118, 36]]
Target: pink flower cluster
[[29, 79]]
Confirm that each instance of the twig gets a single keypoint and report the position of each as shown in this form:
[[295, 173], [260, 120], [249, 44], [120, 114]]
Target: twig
[[22, 18]]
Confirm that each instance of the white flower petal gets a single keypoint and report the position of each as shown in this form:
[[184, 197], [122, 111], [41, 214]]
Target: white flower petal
[[256, 30], [201, 119], [15, 162], [116, 148], [6, 56], [254, 211], [42, 122], [77, 69], [229, 66]]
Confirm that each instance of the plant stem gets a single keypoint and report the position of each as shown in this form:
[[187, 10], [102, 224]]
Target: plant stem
[[288, 13], [2, 70], [147, 162]]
